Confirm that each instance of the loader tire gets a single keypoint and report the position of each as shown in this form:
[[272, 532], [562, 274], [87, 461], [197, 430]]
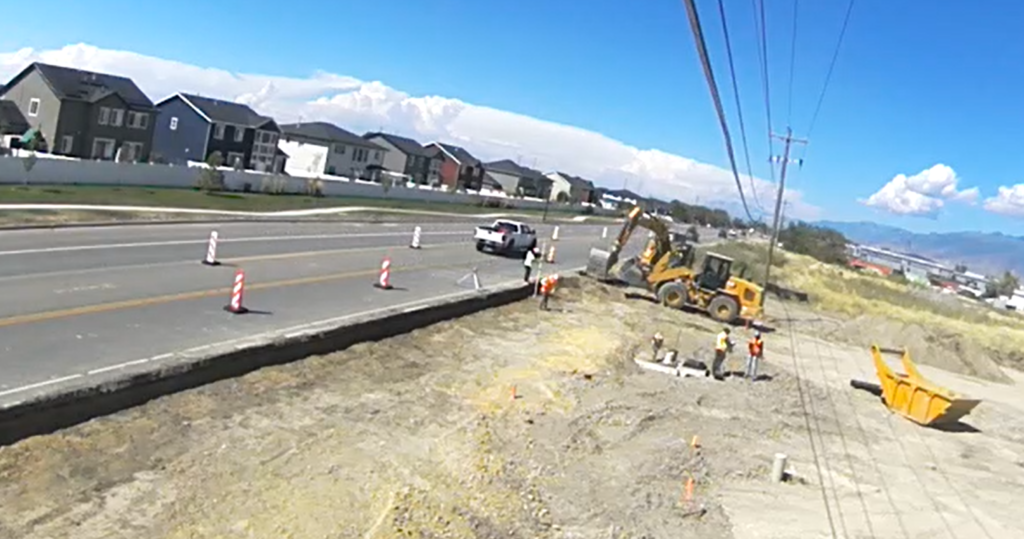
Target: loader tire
[[724, 308], [672, 294]]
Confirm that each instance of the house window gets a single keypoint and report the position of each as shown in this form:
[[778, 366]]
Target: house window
[[104, 117], [33, 106], [131, 151], [67, 143], [174, 123], [339, 149], [376, 156], [239, 134], [116, 117], [266, 138], [218, 131], [102, 148], [138, 120], [360, 155]]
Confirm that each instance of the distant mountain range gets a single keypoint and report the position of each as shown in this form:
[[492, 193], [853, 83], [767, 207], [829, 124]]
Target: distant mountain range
[[984, 252]]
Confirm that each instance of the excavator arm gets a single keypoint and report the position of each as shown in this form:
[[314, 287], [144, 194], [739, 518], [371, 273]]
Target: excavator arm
[[601, 261], [636, 218]]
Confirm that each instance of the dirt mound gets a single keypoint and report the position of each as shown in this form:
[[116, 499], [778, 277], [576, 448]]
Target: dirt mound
[[951, 352]]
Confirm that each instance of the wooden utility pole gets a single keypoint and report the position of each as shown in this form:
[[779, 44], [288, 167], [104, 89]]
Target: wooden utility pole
[[774, 239]]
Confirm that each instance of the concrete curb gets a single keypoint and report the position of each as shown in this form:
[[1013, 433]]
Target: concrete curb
[[52, 412]]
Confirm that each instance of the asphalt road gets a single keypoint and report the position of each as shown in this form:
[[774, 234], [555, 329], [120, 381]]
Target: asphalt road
[[88, 302]]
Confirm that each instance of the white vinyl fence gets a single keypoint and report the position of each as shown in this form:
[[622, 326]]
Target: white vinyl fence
[[46, 171]]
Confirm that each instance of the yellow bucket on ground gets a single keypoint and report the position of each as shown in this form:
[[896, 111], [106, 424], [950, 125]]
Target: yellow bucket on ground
[[915, 398]]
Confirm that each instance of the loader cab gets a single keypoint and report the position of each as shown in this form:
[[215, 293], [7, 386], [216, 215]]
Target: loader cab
[[716, 272]]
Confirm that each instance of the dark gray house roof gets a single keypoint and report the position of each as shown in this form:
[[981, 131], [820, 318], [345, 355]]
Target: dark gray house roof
[[12, 121], [88, 86], [227, 112], [405, 145], [327, 132], [509, 166], [458, 153], [576, 181]]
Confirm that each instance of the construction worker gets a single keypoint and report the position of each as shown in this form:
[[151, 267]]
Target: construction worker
[[529, 261], [547, 288], [722, 347], [755, 352]]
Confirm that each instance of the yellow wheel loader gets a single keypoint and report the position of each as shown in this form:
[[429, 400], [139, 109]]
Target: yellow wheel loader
[[665, 268]]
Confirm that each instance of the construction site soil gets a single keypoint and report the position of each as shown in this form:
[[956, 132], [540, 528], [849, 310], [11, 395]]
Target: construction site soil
[[520, 423]]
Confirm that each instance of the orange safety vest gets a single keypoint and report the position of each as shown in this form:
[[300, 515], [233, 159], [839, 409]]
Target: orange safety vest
[[547, 284], [756, 346]]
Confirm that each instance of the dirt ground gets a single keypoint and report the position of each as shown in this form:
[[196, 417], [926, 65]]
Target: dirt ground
[[947, 351], [526, 424]]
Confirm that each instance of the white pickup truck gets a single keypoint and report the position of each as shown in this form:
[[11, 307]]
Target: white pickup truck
[[505, 236]]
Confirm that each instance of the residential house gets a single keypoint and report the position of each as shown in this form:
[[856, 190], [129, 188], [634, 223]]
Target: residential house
[[409, 158], [12, 125], [192, 128], [488, 183], [82, 113], [570, 189], [323, 148], [560, 187], [517, 180], [581, 190], [459, 169]]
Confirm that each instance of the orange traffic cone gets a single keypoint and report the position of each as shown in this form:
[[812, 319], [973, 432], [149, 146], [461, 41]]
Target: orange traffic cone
[[235, 306], [384, 279]]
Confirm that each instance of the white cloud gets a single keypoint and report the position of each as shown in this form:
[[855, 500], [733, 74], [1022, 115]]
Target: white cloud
[[360, 106], [1009, 201], [924, 193]]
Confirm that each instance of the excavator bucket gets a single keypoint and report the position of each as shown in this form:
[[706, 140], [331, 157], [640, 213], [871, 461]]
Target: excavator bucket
[[602, 267], [599, 264], [915, 398]]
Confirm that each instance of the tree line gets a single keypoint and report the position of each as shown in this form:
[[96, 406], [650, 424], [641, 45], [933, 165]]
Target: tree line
[[821, 243]]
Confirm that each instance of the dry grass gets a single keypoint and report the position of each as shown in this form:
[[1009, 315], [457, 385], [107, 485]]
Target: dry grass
[[854, 294]]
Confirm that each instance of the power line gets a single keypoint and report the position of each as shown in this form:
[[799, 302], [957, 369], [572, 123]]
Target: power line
[[831, 67], [698, 37], [792, 64], [739, 107], [762, 55]]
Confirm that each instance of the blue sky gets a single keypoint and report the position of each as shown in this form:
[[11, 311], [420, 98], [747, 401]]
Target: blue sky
[[917, 83]]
